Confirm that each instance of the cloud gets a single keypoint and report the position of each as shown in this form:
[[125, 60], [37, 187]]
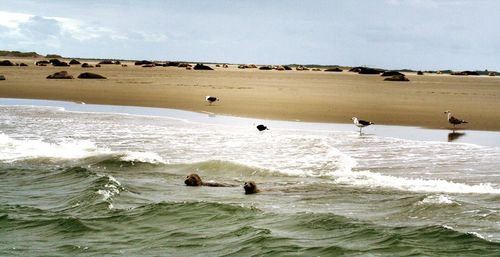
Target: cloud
[[28, 30], [39, 28], [392, 33], [23, 31], [12, 20]]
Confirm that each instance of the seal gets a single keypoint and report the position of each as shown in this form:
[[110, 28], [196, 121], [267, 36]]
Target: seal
[[250, 188], [194, 180]]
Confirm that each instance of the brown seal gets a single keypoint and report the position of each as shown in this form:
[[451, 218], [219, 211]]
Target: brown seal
[[250, 188], [194, 180]]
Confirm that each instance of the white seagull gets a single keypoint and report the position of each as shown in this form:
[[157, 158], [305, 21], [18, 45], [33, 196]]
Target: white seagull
[[211, 99], [453, 120], [361, 123]]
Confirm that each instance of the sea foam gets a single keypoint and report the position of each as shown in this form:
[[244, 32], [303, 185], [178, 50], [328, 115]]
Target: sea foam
[[143, 157], [21, 149], [436, 200], [12, 150], [373, 179]]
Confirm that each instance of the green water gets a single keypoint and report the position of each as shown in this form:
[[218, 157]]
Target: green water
[[75, 183]]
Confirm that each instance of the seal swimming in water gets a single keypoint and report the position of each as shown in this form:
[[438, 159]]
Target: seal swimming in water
[[250, 188], [194, 180]]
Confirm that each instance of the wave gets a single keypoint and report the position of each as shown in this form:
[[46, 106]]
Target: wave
[[336, 164], [71, 189], [92, 193], [39, 151], [232, 229], [373, 179], [437, 200]]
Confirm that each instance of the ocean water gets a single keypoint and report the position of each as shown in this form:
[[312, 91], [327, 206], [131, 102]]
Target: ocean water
[[87, 180]]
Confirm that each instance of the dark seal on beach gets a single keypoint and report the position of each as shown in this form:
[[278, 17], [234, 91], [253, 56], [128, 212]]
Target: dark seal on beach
[[7, 63], [42, 63], [201, 66], [89, 75], [74, 62], [397, 78], [2, 77], [142, 62], [391, 73], [337, 69], [60, 75], [58, 63], [86, 65], [194, 180]]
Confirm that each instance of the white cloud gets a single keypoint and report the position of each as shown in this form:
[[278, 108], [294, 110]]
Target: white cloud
[[11, 20], [31, 27]]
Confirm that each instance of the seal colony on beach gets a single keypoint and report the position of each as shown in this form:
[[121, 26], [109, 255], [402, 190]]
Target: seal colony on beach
[[292, 95]]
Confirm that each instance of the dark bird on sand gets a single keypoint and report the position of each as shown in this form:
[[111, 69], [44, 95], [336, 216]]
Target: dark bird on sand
[[454, 121], [361, 123], [211, 99], [262, 127]]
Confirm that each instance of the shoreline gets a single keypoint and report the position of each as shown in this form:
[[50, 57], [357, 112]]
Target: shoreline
[[476, 137], [308, 96]]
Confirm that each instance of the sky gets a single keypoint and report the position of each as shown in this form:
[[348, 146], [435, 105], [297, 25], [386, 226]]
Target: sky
[[391, 34]]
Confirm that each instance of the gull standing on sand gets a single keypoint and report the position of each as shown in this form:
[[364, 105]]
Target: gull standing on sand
[[361, 123], [453, 120], [211, 99]]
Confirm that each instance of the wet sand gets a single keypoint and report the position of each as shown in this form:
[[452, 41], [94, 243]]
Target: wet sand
[[312, 96], [484, 138]]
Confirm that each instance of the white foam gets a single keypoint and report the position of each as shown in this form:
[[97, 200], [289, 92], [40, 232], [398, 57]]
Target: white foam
[[14, 149], [345, 156], [447, 227], [145, 157], [110, 189], [476, 234], [436, 200], [373, 179]]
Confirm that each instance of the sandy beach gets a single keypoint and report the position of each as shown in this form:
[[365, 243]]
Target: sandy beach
[[313, 96]]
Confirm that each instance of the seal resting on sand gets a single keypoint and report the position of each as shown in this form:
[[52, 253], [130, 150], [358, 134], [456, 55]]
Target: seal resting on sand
[[250, 188], [194, 180]]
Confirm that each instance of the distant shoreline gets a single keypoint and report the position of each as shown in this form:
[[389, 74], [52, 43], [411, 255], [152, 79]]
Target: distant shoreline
[[484, 138], [310, 96], [6, 54]]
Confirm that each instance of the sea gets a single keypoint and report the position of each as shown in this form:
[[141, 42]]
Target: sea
[[94, 180]]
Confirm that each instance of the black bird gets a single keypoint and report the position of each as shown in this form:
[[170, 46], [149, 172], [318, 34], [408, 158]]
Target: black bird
[[211, 99], [361, 123], [261, 127], [453, 120]]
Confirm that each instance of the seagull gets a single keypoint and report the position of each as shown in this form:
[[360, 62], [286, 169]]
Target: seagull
[[211, 99], [453, 120], [261, 127], [361, 123]]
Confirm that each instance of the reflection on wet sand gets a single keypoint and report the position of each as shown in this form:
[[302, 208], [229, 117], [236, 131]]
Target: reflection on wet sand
[[452, 136]]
